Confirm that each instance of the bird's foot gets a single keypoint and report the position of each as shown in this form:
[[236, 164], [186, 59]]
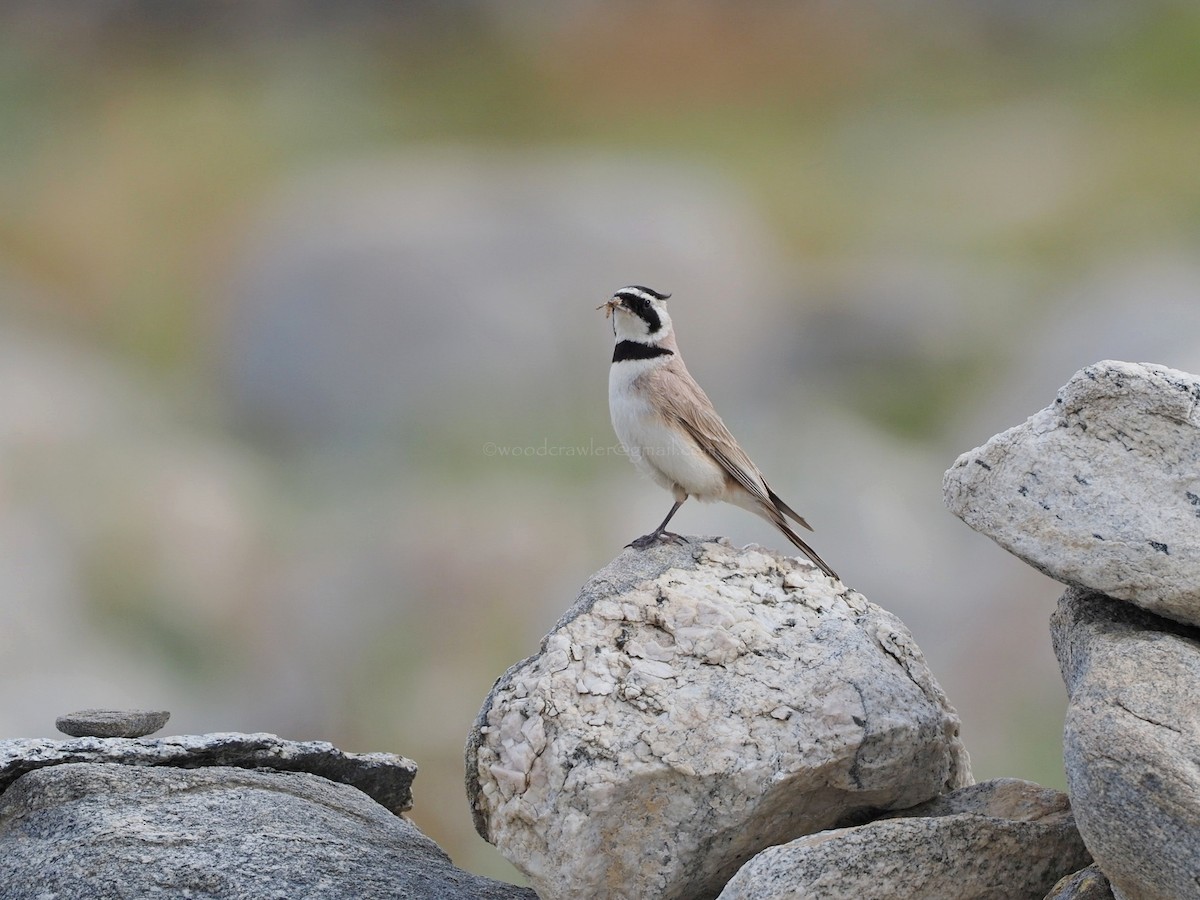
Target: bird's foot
[[648, 540]]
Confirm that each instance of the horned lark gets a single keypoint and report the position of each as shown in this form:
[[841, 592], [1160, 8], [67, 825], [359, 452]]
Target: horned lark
[[668, 425]]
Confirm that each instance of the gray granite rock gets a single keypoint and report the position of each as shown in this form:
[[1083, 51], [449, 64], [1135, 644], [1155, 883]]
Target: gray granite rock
[[1011, 799], [1003, 838], [127, 723], [92, 831], [697, 704], [385, 777], [1101, 489], [1131, 742], [1086, 884]]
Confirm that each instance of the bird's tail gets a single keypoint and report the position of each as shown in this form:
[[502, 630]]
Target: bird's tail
[[785, 509], [776, 518]]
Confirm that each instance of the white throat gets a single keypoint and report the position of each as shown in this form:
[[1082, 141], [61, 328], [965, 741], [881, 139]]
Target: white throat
[[630, 327]]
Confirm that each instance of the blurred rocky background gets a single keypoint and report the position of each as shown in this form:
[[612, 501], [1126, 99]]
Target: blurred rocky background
[[303, 393]]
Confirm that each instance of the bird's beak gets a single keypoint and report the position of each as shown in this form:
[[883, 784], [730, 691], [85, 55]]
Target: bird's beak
[[609, 305]]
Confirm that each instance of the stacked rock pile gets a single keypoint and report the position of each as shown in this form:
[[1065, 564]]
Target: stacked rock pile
[[106, 815], [712, 722], [1101, 490]]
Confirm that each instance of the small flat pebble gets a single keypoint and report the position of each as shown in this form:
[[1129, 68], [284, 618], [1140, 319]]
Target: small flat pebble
[[124, 723]]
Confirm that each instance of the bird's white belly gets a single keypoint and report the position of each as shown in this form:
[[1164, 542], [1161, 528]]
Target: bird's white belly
[[666, 454]]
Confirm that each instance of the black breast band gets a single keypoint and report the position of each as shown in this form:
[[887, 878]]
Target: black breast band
[[636, 350]]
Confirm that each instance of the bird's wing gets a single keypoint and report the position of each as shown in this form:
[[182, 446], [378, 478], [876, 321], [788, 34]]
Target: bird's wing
[[676, 393], [684, 401]]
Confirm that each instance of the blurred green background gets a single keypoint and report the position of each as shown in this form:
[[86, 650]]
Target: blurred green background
[[303, 421]]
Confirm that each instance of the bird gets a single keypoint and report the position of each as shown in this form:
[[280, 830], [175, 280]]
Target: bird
[[669, 428]]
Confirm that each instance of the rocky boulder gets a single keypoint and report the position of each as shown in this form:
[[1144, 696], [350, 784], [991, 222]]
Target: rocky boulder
[[697, 704], [218, 816], [1130, 742], [1101, 489], [107, 831], [1003, 838]]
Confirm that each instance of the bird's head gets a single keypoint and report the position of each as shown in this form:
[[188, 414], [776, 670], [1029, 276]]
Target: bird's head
[[639, 314]]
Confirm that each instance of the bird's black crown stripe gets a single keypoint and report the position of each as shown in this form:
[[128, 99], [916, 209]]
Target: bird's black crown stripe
[[634, 350], [645, 290]]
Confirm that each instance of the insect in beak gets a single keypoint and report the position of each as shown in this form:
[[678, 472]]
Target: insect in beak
[[609, 305], [613, 303]]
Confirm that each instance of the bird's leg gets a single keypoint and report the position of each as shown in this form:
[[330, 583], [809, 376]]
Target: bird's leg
[[660, 532]]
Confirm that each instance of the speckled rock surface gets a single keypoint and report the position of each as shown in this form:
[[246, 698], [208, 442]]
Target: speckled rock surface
[[1003, 838], [697, 704], [1012, 799], [1086, 884], [1101, 489], [1131, 742], [92, 831], [385, 777], [129, 723]]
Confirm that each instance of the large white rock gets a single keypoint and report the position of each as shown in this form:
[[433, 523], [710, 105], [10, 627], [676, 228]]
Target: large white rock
[[697, 704], [1101, 489], [1131, 742], [1003, 838]]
